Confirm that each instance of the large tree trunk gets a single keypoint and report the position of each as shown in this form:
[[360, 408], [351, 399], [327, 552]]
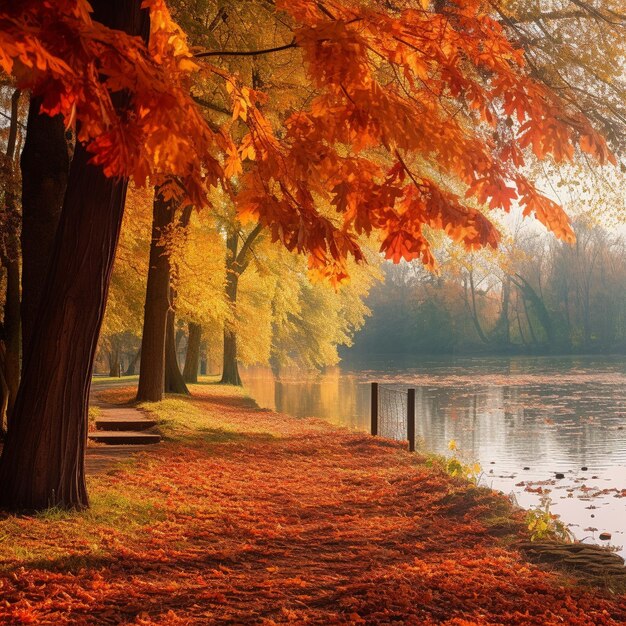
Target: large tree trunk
[[192, 358], [115, 368], [4, 392], [152, 368], [45, 165], [174, 382], [43, 461]]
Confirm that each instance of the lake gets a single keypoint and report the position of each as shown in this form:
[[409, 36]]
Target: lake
[[524, 419]]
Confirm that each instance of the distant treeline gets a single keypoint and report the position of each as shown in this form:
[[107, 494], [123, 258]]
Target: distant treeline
[[552, 298]]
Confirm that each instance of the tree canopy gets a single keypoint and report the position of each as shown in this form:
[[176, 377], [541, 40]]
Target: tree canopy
[[402, 99]]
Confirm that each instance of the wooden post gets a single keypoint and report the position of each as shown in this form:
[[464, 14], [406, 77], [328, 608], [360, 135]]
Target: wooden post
[[374, 409], [410, 419]]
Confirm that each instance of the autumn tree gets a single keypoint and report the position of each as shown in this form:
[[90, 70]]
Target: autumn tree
[[576, 48], [402, 100], [199, 283]]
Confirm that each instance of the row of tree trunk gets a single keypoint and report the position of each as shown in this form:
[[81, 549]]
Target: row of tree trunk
[[72, 215]]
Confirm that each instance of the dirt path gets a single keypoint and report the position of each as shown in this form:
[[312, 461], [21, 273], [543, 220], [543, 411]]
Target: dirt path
[[103, 457]]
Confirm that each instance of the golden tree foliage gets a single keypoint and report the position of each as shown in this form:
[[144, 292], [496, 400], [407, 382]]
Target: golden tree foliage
[[579, 49], [284, 319], [128, 282]]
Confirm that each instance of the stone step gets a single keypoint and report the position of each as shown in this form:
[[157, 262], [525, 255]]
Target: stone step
[[124, 423], [124, 437]]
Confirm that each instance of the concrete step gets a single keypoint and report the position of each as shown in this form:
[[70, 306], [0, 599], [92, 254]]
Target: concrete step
[[124, 437], [124, 423]]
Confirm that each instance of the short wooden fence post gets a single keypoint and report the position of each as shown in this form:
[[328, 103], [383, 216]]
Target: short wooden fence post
[[374, 409], [410, 418]]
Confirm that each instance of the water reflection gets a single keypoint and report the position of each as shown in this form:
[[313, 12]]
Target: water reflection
[[545, 414]]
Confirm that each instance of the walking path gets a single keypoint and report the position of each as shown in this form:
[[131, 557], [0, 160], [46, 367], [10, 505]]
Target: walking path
[[123, 431]]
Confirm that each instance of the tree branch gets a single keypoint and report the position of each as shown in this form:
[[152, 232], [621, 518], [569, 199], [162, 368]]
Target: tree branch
[[243, 253], [245, 53]]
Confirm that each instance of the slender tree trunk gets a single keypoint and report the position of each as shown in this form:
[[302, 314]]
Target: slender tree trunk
[[45, 165], [43, 460], [152, 368], [159, 370], [230, 367], [473, 308], [531, 330], [130, 370], [236, 263], [10, 256], [504, 314], [12, 326], [192, 358], [521, 332], [114, 363], [174, 382]]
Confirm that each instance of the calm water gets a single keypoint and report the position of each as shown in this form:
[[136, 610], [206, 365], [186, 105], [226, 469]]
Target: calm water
[[523, 419]]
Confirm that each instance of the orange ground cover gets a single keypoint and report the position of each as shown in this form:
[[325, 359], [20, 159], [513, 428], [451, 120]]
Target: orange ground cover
[[264, 519]]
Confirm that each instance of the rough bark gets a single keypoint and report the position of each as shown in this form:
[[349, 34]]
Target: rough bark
[[45, 165], [43, 460], [4, 393], [192, 358], [152, 367], [230, 366]]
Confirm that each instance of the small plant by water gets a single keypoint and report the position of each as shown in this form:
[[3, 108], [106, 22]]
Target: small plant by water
[[456, 467], [543, 524]]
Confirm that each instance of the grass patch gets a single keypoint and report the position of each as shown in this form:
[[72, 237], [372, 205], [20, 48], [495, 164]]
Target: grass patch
[[210, 414], [95, 380], [178, 418], [56, 538], [93, 415]]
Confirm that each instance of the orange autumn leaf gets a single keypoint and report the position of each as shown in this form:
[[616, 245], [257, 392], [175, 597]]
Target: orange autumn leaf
[[354, 145]]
